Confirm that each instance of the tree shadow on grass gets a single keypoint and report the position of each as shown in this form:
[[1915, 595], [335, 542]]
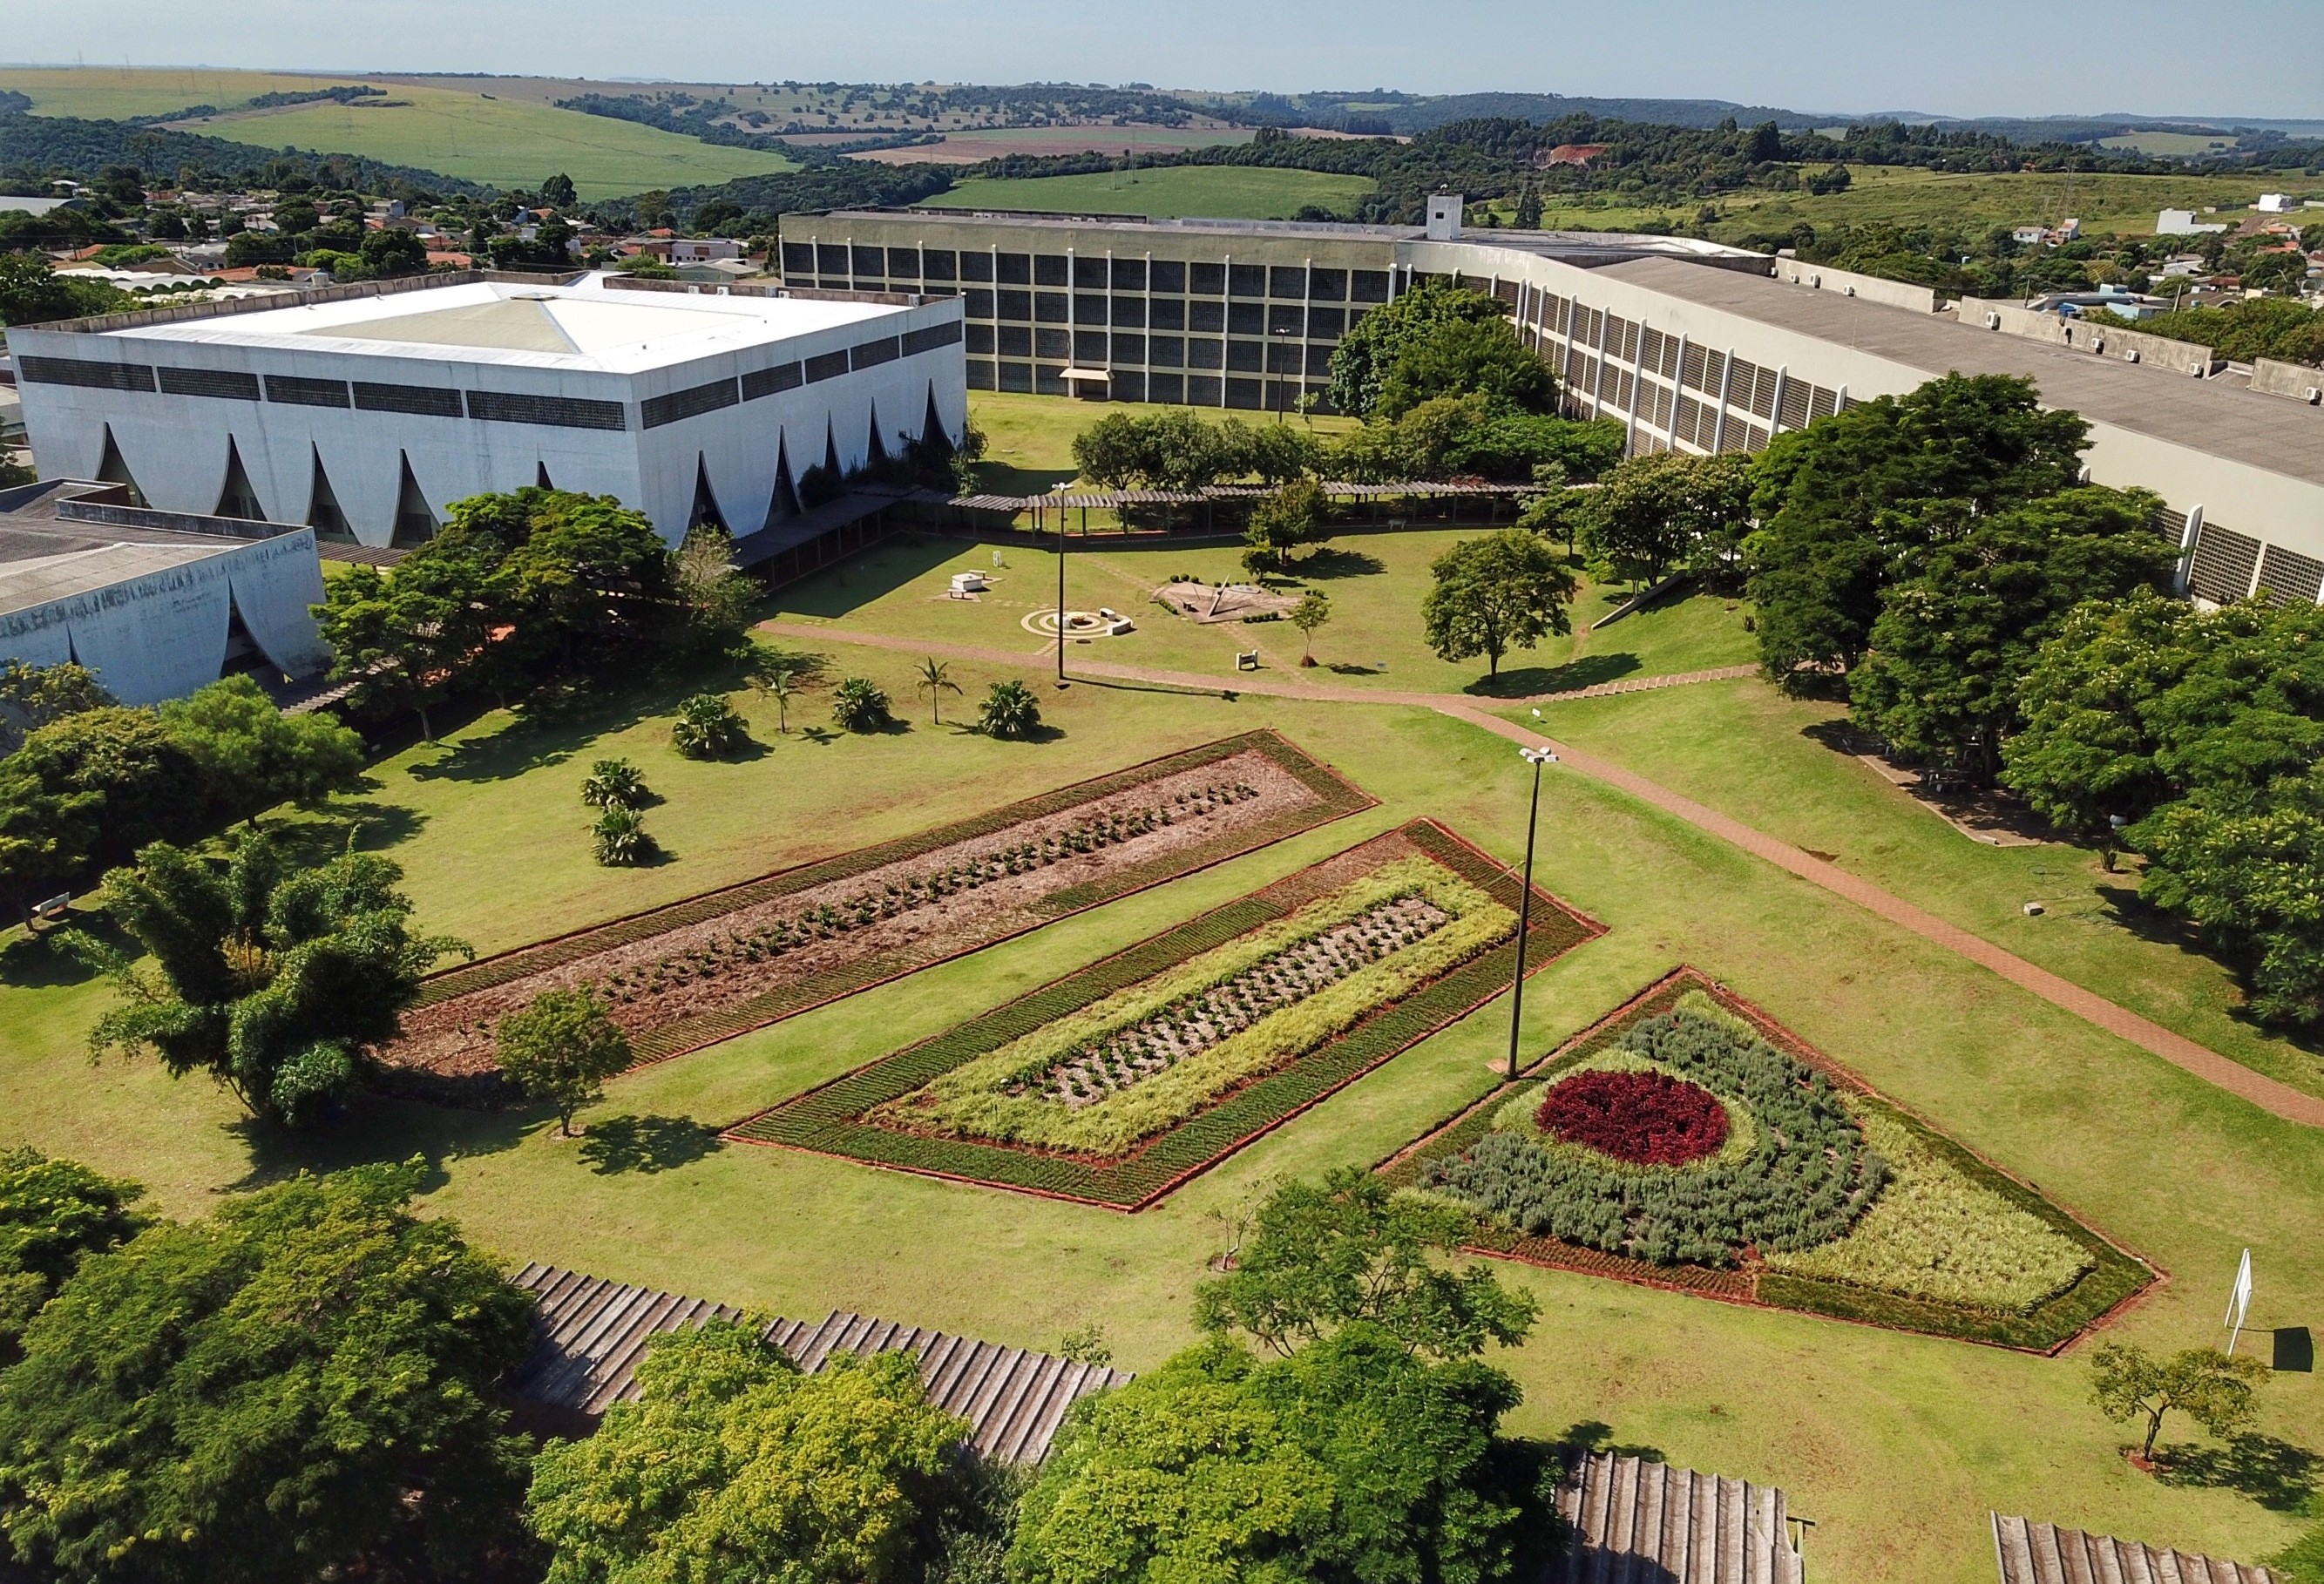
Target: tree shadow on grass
[[1592, 1435], [1333, 562], [1587, 671], [848, 585], [38, 961], [1841, 736], [615, 1144], [380, 1130], [2276, 1474]]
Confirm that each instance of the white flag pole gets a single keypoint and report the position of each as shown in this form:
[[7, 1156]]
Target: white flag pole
[[2239, 1302]]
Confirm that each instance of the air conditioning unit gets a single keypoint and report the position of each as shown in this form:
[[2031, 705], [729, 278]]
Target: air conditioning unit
[[2131, 355], [1849, 290], [1992, 321], [2316, 396]]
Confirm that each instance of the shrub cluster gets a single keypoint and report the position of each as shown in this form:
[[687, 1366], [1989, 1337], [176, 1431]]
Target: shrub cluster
[[1646, 1119], [1809, 1177]]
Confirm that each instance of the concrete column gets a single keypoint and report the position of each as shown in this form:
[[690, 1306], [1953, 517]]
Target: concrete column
[[1597, 375], [1678, 392], [1775, 413], [2186, 546], [1638, 392], [1726, 378], [1226, 298]]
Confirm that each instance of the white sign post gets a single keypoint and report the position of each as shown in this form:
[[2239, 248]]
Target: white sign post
[[2239, 1302]]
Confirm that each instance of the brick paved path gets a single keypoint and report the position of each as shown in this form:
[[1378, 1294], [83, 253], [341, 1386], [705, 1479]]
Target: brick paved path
[[2266, 1092]]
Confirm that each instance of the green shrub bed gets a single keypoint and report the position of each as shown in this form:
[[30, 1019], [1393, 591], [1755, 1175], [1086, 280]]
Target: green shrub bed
[[1806, 1181], [1950, 1247], [1335, 797], [857, 1116]]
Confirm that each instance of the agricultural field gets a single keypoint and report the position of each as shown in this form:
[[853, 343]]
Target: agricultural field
[[1118, 1083], [2105, 204], [466, 131], [971, 146], [1221, 192]]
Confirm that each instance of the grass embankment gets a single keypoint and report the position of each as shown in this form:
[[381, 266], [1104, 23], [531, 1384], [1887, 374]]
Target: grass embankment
[[1782, 766], [2121, 205], [1218, 192]]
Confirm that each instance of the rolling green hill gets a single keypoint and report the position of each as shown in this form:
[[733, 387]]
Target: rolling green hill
[[1222, 192]]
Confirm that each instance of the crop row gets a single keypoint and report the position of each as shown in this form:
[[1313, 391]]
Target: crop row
[[1338, 797]]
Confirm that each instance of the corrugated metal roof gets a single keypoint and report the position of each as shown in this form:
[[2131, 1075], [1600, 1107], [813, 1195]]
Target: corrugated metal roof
[[1637, 1520], [2042, 1554], [591, 1333]]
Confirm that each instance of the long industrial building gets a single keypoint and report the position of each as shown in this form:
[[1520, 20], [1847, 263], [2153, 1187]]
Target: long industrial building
[[1694, 348], [368, 410]]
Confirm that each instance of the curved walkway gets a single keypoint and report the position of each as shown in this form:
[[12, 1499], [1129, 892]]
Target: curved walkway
[[2269, 1094]]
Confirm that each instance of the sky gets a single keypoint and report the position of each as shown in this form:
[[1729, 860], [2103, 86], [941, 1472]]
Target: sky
[[1968, 57]]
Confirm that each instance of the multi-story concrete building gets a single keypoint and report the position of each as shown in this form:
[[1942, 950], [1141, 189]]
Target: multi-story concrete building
[[365, 410], [1694, 348]]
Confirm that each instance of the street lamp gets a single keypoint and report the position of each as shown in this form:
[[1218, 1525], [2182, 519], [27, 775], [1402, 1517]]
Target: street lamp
[[1535, 756], [1061, 590]]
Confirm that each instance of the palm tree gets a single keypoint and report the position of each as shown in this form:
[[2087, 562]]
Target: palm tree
[[935, 678], [779, 687]]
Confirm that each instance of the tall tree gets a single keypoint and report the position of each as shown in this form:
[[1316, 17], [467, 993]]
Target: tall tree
[[1462, 357], [1846, 503], [1651, 513], [1952, 642], [53, 1214], [733, 1468], [252, 756], [2242, 867], [560, 1048], [274, 978], [1361, 361], [31, 696], [1505, 591], [1347, 1250], [303, 1385], [1350, 1460]]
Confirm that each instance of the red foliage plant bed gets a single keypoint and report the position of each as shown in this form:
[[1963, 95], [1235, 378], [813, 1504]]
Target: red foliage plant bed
[[1646, 1119]]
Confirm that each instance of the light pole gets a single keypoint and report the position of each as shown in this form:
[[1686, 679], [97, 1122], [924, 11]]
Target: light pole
[[1535, 756], [1061, 593]]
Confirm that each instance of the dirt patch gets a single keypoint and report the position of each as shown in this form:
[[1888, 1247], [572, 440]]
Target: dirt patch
[[874, 924], [1201, 603]]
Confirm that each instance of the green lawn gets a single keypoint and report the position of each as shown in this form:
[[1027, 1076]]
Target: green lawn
[[1030, 440], [1747, 750], [1896, 1445], [1219, 192]]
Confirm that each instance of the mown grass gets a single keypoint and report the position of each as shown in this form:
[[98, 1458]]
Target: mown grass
[[1375, 580], [107, 93], [1780, 765], [1897, 1445], [1220, 192]]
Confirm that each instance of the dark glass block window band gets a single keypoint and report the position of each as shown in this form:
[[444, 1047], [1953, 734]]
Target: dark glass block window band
[[873, 352], [931, 336], [427, 400], [826, 365], [690, 403], [563, 412], [226, 385], [298, 391], [87, 373], [783, 376], [798, 258]]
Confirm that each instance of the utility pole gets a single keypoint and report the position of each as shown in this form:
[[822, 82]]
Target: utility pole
[[1535, 756]]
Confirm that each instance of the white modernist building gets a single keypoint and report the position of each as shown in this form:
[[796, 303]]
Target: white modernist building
[[158, 620], [369, 410]]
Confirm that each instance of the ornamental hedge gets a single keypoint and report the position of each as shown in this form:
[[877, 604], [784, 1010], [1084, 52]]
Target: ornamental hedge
[[839, 1117]]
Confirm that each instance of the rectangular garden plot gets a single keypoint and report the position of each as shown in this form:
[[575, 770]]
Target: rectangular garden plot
[[1689, 1141], [695, 973], [1113, 1085]]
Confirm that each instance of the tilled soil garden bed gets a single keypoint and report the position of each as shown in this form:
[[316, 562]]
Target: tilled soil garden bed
[[1949, 1245], [691, 974], [1117, 1084]]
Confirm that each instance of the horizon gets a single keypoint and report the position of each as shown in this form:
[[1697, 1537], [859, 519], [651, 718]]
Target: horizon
[[1988, 60]]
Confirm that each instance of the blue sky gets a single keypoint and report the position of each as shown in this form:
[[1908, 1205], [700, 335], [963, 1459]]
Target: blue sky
[[2261, 57]]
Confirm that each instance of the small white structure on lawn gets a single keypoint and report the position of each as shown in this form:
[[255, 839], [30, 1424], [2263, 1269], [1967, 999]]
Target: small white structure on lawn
[[965, 584]]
